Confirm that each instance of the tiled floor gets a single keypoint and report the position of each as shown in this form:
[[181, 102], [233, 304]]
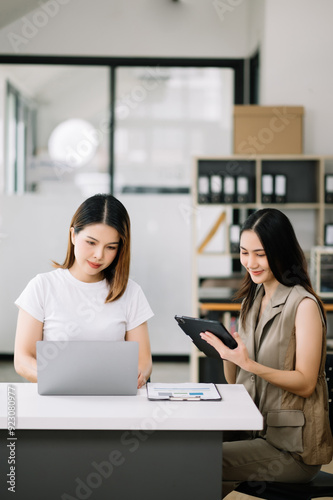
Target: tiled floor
[[162, 372]]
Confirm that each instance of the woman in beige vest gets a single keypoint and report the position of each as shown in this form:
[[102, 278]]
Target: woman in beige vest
[[280, 359]]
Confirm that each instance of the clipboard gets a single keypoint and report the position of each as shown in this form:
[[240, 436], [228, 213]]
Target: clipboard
[[182, 392]]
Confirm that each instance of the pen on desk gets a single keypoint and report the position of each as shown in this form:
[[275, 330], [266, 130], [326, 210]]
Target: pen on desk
[[180, 398]]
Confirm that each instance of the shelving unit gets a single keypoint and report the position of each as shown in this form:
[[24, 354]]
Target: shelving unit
[[322, 271], [216, 270]]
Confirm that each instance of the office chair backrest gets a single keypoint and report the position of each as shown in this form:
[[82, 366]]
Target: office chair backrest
[[329, 378], [321, 486]]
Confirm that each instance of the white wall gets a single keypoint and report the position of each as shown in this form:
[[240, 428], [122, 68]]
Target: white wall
[[161, 28], [256, 24], [33, 232], [297, 69], [2, 130]]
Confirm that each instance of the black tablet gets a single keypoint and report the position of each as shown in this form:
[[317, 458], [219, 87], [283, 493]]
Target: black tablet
[[194, 326]]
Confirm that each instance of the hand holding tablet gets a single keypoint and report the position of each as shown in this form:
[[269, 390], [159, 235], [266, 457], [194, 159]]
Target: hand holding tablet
[[194, 326]]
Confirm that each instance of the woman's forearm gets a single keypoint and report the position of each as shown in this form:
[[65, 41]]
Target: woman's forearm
[[289, 380], [26, 366], [145, 367], [229, 371]]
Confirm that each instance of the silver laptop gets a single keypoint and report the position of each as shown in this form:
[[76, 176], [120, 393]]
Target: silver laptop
[[87, 368]]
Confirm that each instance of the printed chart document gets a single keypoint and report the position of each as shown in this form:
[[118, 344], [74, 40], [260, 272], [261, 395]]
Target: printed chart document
[[183, 392]]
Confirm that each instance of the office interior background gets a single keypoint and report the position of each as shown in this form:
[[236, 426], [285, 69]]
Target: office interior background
[[156, 82]]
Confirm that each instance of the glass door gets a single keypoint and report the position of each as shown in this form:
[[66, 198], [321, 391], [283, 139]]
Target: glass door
[[164, 118]]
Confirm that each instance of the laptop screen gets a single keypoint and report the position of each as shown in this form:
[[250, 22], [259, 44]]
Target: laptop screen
[[87, 368]]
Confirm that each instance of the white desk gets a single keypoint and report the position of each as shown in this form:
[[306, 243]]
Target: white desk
[[119, 447]]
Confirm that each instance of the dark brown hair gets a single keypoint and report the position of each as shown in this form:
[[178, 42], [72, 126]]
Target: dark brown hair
[[105, 209], [285, 257]]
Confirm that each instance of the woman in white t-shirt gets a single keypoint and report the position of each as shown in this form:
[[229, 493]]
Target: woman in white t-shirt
[[90, 295]]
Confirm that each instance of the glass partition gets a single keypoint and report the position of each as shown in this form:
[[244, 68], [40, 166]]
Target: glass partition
[[165, 117], [57, 129], [60, 154]]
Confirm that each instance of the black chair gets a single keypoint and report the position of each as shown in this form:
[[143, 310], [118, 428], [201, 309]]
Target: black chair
[[321, 486]]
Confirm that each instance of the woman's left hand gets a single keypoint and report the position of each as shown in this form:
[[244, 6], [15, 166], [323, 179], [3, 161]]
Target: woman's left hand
[[239, 356], [140, 335], [141, 380]]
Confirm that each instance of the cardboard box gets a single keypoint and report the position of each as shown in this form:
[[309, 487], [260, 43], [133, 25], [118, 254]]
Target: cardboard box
[[268, 129]]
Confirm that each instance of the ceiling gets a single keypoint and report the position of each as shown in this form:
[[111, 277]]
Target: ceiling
[[10, 10]]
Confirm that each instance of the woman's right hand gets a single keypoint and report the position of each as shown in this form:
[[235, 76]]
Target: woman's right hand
[[239, 356]]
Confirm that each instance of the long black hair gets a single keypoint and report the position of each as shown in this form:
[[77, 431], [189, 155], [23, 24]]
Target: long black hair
[[285, 257]]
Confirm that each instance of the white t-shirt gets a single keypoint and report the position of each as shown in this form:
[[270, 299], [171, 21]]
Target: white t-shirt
[[73, 310]]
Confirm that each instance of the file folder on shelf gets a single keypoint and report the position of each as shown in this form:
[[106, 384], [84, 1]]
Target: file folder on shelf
[[280, 188], [329, 188], [203, 189], [229, 189], [328, 234], [267, 188], [234, 234], [216, 188], [242, 189]]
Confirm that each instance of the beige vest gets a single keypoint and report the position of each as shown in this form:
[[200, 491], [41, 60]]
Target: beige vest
[[291, 423]]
